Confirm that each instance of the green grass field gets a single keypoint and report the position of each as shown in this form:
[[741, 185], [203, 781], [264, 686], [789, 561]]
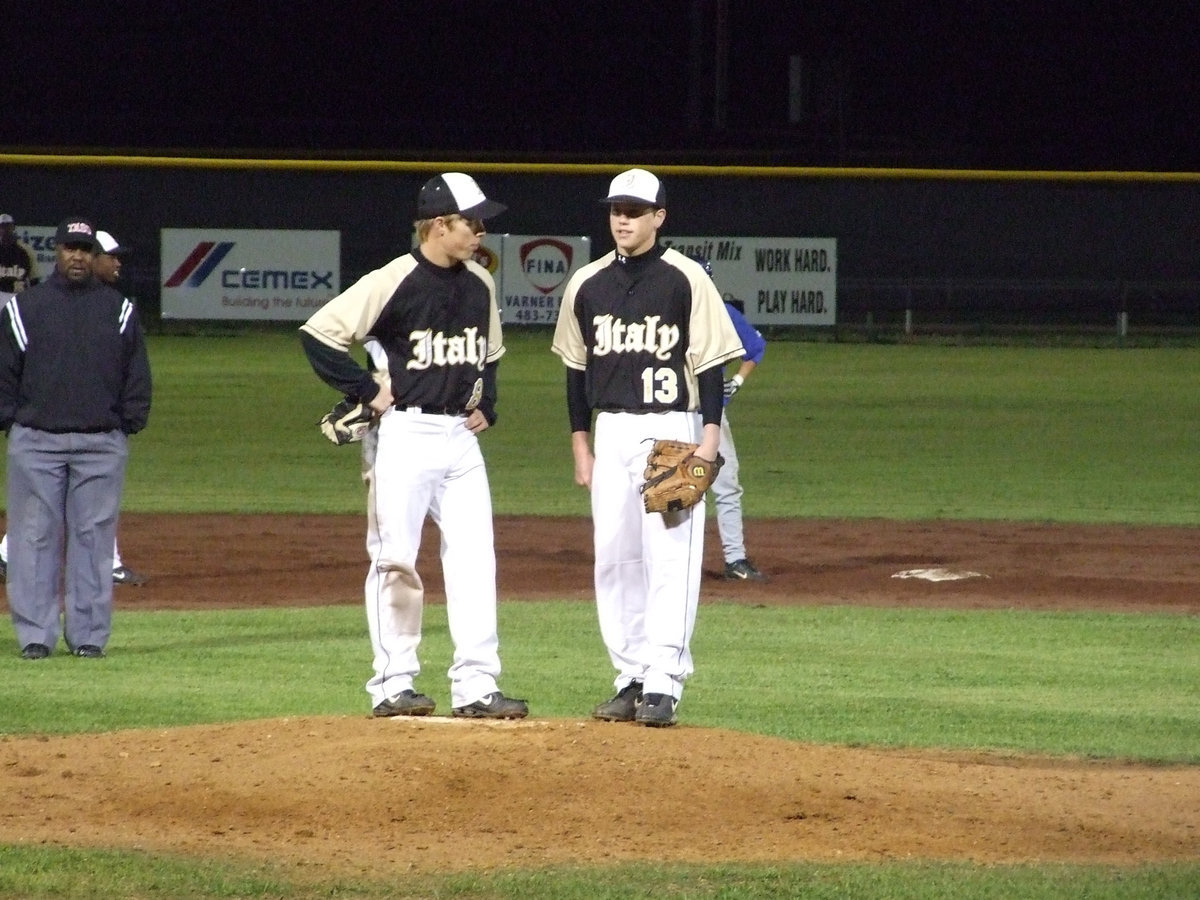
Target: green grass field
[[907, 431], [824, 430]]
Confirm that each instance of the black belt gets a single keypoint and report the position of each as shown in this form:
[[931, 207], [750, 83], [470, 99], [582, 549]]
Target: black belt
[[434, 410]]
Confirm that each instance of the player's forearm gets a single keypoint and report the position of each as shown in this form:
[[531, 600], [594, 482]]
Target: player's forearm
[[710, 442], [581, 449]]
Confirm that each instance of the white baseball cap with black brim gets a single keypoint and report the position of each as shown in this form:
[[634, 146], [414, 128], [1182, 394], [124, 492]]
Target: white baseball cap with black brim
[[637, 186], [109, 244], [454, 192]]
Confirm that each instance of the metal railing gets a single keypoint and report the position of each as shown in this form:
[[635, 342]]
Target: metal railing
[[913, 303]]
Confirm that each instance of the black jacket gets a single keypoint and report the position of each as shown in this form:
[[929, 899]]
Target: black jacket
[[73, 359]]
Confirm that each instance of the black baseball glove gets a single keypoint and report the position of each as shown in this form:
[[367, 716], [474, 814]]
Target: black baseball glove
[[347, 422]]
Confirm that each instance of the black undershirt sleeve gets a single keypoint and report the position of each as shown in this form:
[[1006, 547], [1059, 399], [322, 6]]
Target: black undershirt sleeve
[[577, 406], [712, 395], [338, 369], [487, 404]]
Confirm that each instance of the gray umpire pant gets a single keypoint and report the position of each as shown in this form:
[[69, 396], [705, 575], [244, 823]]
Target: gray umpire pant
[[64, 494]]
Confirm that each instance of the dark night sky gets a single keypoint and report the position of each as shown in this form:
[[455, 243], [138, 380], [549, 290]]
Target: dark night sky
[[1066, 85]]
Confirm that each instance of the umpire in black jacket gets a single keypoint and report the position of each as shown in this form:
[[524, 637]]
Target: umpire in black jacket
[[74, 384]]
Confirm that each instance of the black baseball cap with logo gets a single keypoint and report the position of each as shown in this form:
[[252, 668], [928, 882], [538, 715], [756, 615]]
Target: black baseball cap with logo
[[76, 232], [454, 192]]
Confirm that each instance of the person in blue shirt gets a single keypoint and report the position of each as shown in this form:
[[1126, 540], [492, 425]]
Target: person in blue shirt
[[727, 489]]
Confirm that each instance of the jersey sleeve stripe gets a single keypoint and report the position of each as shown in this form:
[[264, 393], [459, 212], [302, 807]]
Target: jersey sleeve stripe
[[126, 312], [719, 361], [570, 362], [18, 327]]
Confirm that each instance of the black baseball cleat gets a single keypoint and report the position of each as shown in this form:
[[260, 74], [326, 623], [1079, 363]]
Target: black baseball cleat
[[656, 710], [494, 706], [406, 703], [3, 568], [35, 651], [126, 575], [89, 651], [622, 707], [743, 570]]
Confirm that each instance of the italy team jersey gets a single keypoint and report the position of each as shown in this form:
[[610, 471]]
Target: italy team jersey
[[643, 328], [437, 326]]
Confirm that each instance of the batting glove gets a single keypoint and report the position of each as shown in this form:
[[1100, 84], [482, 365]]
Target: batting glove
[[733, 385]]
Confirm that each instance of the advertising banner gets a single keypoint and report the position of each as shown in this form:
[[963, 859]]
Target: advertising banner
[[40, 240], [781, 280], [271, 275], [531, 272]]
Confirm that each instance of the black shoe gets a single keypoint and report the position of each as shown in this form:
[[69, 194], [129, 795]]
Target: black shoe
[[89, 651], [35, 651], [406, 703], [743, 570], [494, 706], [126, 575], [656, 710], [4, 568], [622, 707]]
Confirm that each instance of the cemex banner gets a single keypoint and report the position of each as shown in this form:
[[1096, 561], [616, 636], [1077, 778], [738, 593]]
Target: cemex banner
[[781, 280], [214, 273]]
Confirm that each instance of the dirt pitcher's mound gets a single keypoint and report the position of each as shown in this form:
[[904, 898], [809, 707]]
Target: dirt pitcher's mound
[[357, 795]]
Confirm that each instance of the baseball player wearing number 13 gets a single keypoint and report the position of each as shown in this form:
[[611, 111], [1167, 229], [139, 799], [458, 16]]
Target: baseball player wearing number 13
[[431, 325], [644, 336]]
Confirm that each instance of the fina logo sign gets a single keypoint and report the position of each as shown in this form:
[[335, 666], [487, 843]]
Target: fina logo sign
[[546, 262]]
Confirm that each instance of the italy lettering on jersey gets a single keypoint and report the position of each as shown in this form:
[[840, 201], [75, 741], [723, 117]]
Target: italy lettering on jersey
[[651, 335], [431, 348], [438, 330]]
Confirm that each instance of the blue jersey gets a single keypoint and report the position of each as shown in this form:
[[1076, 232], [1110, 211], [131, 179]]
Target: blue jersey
[[754, 344]]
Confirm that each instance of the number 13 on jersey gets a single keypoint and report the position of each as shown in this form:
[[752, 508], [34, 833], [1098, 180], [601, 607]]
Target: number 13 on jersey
[[659, 385]]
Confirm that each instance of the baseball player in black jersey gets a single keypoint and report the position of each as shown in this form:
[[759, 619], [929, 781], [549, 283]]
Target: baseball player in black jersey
[[644, 336], [432, 327]]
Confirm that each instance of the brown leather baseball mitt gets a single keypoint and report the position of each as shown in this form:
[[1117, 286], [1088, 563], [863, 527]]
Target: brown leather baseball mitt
[[675, 477]]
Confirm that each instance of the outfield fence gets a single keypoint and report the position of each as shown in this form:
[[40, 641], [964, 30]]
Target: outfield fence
[[917, 250], [916, 305]]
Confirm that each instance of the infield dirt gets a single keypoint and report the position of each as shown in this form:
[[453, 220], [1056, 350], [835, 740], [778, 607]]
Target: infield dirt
[[354, 794]]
